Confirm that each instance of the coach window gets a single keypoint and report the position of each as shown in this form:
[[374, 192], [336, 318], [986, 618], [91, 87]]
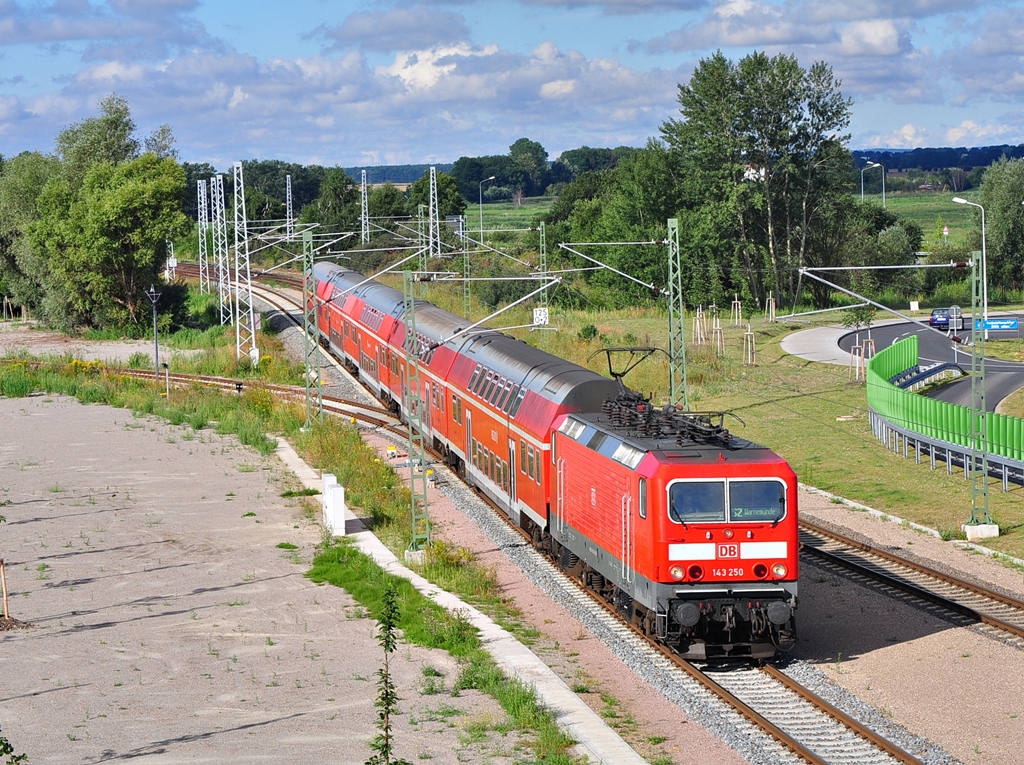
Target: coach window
[[492, 396], [529, 458], [522, 456], [504, 396], [475, 377], [642, 497], [697, 501], [763, 501], [511, 397]]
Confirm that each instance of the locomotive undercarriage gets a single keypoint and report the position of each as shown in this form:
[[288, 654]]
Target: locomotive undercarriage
[[708, 628]]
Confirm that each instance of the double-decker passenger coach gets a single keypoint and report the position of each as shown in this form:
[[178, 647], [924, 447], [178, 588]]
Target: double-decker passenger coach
[[689, 531]]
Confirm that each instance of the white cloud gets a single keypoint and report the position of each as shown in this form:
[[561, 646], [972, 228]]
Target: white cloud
[[878, 37], [399, 29], [969, 132], [557, 88]]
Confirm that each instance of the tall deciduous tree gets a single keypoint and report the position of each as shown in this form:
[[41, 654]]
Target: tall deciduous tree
[[106, 244], [1002, 191], [23, 271], [338, 203], [449, 201], [763, 141], [109, 138]]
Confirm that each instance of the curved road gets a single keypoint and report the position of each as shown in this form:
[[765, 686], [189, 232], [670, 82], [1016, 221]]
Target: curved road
[[1002, 377]]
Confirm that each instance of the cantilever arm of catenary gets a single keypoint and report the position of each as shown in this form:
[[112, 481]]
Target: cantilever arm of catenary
[[615, 270], [497, 313], [893, 311]]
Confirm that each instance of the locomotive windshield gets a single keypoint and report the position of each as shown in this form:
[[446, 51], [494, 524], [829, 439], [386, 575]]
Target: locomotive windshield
[[697, 501], [757, 500], [705, 501]]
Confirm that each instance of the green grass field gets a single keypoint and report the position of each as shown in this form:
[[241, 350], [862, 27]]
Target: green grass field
[[927, 209]]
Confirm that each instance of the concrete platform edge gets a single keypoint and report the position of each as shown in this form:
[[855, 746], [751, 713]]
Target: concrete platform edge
[[595, 738]]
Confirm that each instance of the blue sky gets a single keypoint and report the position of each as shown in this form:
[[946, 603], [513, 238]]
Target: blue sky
[[353, 83]]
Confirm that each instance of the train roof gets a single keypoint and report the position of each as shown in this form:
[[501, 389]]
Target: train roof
[[606, 433], [558, 380]]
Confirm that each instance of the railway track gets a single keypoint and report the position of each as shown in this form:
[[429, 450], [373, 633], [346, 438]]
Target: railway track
[[998, 614], [806, 727]]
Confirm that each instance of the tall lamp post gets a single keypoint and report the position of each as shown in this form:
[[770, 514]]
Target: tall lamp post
[[481, 189], [154, 296], [868, 166], [984, 267]]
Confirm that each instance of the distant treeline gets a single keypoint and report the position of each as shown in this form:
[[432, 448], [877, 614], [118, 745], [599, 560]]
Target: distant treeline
[[395, 173], [939, 158]]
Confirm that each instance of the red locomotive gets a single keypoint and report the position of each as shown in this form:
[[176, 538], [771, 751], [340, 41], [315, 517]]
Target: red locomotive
[[689, 531]]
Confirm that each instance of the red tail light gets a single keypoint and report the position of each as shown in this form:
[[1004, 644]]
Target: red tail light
[[696, 572]]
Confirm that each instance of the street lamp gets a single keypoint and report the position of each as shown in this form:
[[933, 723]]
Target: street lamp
[[984, 268], [154, 296], [868, 166], [481, 189]]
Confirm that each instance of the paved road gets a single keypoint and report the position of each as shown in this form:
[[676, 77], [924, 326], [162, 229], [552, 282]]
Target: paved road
[[1002, 377]]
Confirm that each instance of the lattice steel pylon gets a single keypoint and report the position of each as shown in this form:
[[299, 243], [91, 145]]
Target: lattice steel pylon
[[435, 223], [245, 319], [414, 404], [421, 232], [203, 215], [222, 270], [543, 265], [314, 394], [979, 411], [289, 217], [676, 321], [364, 212]]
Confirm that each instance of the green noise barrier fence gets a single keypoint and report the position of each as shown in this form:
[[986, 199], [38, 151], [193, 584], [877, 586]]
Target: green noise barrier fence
[[936, 422]]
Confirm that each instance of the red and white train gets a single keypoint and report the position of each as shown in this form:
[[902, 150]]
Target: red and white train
[[690, 532]]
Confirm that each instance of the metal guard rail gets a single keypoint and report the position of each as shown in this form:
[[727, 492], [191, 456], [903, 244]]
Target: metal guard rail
[[915, 375], [902, 439], [937, 428]]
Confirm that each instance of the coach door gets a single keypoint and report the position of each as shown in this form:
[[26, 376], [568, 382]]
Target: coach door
[[560, 488], [512, 474], [426, 406], [470, 454]]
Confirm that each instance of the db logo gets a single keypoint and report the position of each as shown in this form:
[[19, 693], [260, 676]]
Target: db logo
[[728, 551]]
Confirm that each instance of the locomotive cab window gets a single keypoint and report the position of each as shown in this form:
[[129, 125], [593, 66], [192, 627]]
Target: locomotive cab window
[[697, 502], [748, 501], [757, 500]]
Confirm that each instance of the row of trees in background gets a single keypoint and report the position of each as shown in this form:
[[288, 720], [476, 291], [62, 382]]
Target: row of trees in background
[[83, 231], [757, 171]]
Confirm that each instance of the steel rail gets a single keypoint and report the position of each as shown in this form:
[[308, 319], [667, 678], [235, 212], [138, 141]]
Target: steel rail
[[894, 580]]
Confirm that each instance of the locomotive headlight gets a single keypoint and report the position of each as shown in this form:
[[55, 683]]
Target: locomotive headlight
[[676, 572], [779, 570], [728, 533]]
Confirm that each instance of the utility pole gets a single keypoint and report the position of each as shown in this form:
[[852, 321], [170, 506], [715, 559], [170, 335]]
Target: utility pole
[[543, 266], [289, 218], [203, 214], [220, 249], [676, 321], [314, 394], [154, 297], [245, 327], [414, 404], [979, 412], [364, 214]]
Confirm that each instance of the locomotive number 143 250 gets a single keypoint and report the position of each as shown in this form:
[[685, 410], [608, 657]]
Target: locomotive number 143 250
[[727, 571]]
